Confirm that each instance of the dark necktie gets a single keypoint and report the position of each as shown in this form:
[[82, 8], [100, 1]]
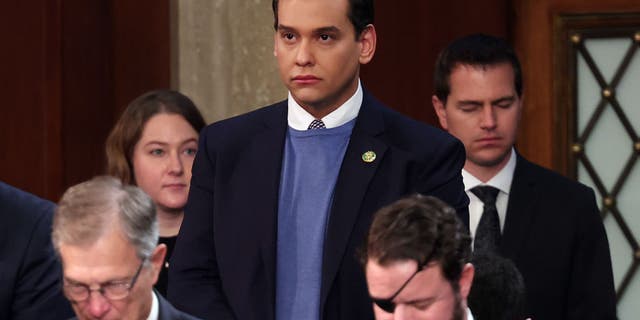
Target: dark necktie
[[316, 124], [487, 237]]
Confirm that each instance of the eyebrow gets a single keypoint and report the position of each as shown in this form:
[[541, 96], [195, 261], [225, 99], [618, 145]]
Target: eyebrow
[[493, 102], [75, 282], [164, 143], [417, 301], [328, 29], [504, 99]]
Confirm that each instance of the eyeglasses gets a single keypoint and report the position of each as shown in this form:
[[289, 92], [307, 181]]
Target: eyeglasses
[[387, 304], [110, 290]]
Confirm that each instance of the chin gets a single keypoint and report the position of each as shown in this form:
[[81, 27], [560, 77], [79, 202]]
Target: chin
[[307, 96], [488, 161], [172, 206]]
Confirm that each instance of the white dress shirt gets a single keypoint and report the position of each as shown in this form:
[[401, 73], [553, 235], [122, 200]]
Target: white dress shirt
[[155, 308], [469, 314], [298, 118], [502, 181]]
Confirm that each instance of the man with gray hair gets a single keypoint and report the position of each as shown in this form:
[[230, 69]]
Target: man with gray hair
[[106, 235]]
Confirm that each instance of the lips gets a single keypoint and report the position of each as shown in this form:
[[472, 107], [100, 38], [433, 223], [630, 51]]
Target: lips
[[176, 185], [305, 79], [489, 141]]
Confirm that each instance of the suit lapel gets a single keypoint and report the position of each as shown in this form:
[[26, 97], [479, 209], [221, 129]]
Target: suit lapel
[[520, 209], [351, 186]]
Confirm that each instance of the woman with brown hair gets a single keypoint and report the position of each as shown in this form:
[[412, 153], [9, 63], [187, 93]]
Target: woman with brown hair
[[153, 146]]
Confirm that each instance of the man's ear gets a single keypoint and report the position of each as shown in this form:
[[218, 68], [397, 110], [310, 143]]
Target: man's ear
[[466, 279], [157, 259], [367, 39], [441, 111]]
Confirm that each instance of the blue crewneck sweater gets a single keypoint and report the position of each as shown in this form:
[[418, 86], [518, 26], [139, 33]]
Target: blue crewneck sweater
[[310, 167]]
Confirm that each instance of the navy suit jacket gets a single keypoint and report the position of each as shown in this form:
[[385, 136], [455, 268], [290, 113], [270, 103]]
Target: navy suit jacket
[[166, 311], [224, 263], [29, 270], [556, 238]]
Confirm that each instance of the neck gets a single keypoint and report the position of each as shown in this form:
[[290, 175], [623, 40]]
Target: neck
[[486, 173], [324, 107], [319, 112], [169, 222]]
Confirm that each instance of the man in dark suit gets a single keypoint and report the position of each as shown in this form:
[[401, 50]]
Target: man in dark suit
[[281, 197], [106, 235], [29, 269], [547, 224]]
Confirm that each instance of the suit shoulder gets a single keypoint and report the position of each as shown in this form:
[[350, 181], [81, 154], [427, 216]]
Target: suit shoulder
[[252, 117], [552, 180], [22, 208], [168, 312], [239, 128]]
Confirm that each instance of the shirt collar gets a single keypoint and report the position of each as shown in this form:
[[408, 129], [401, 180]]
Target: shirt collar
[[299, 119], [469, 314], [502, 180], [155, 309]]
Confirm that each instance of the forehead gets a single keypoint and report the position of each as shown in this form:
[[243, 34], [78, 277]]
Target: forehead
[[110, 257], [312, 14], [480, 81], [384, 281], [167, 127], [385, 278]]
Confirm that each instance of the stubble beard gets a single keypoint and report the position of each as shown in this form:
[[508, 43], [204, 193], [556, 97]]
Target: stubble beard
[[458, 311], [490, 163]]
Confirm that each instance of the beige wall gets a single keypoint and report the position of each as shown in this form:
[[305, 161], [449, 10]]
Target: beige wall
[[222, 55]]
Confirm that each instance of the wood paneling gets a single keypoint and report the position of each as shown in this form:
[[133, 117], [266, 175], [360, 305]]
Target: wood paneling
[[68, 69], [411, 33], [142, 48], [87, 87], [30, 108]]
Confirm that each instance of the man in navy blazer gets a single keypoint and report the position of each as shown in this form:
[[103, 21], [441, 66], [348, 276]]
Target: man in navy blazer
[[550, 227], [281, 197], [29, 270]]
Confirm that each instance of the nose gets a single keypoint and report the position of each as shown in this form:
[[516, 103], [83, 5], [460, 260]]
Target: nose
[[488, 120], [304, 54], [174, 164], [98, 305]]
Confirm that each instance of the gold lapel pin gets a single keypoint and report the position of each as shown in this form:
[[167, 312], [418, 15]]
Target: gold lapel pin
[[369, 156]]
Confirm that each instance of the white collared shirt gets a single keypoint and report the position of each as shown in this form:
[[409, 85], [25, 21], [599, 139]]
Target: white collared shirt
[[469, 314], [502, 181], [155, 308], [298, 118]]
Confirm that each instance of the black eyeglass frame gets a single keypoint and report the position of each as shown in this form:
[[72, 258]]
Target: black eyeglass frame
[[101, 288], [387, 304]]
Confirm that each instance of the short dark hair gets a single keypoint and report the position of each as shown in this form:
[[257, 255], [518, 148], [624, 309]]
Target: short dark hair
[[361, 14], [127, 131], [498, 289], [479, 50], [419, 228]]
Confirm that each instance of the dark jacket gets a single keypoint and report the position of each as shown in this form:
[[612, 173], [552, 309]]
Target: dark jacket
[[30, 273], [223, 266], [554, 234]]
